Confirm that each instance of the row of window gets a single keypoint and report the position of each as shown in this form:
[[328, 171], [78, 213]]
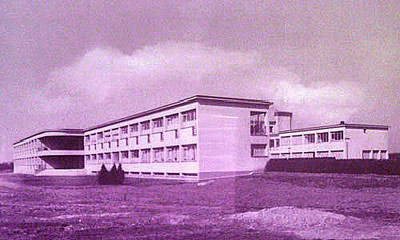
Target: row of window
[[185, 153], [307, 139], [339, 154], [134, 140], [374, 154], [158, 123]]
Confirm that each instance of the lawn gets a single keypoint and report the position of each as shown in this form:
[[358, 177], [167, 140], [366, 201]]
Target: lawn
[[269, 206]]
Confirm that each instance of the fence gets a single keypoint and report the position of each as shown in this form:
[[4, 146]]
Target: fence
[[332, 165]]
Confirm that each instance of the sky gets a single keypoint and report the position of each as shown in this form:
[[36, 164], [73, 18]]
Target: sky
[[73, 64]]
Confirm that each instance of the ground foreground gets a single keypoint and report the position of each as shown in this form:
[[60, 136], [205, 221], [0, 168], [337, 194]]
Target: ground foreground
[[270, 206]]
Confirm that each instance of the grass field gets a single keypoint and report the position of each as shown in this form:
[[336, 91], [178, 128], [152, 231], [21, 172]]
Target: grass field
[[269, 206]]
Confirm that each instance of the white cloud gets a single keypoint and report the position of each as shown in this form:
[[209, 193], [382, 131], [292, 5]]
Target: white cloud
[[103, 73]]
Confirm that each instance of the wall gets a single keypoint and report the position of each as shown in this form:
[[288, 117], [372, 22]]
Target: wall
[[369, 139], [224, 140]]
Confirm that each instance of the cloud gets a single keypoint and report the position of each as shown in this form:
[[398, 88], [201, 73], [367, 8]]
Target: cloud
[[184, 68]]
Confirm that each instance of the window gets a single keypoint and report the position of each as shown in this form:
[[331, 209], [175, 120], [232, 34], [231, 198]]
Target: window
[[134, 153], [100, 136], [337, 136], [124, 130], [108, 156], [134, 128], [107, 135], [257, 123], [323, 154], [157, 123], [148, 138], [115, 157], [375, 154], [338, 154], [87, 139], [189, 153], [383, 154], [158, 154], [309, 138], [297, 140], [285, 141], [271, 129], [115, 133], [272, 143], [161, 136], [258, 150], [277, 142], [145, 125], [87, 158], [194, 131], [172, 120], [323, 137], [189, 116], [124, 155], [145, 153], [172, 154], [100, 156]]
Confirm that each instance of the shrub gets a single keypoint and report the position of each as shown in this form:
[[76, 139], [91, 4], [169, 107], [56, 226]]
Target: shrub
[[103, 177], [120, 176]]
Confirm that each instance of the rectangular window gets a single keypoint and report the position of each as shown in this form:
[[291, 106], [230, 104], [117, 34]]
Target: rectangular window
[[257, 123], [338, 154], [337, 136], [107, 136], [383, 154], [158, 123], [145, 125], [271, 129], [115, 133], [161, 136], [375, 154], [124, 155], [145, 153], [134, 128], [258, 150], [172, 154], [271, 143], [297, 140], [278, 142], [322, 154], [189, 116], [87, 139], [309, 138], [124, 130], [158, 154], [100, 135], [100, 156], [189, 153], [134, 153], [323, 137], [285, 141], [172, 120], [148, 138], [366, 154]]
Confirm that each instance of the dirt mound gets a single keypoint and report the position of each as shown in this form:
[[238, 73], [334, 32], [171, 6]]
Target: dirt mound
[[314, 224]]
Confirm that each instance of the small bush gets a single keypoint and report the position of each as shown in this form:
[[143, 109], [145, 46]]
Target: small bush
[[114, 176], [103, 177]]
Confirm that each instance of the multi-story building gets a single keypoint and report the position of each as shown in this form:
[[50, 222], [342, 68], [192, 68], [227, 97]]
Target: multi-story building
[[49, 149], [196, 138], [341, 141]]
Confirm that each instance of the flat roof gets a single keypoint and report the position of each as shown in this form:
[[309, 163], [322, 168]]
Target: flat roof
[[61, 130], [345, 125], [204, 99]]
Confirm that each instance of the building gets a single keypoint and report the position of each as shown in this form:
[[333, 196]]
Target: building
[[199, 137], [341, 141], [49, 149], [196, 138]]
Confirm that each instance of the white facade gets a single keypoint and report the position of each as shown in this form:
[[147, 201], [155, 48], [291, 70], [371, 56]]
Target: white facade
[[342, 141], [196, 138]]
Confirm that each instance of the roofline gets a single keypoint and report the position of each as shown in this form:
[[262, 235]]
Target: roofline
[[283, 114], [192, 99], [61, 130], [345, 125]]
